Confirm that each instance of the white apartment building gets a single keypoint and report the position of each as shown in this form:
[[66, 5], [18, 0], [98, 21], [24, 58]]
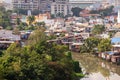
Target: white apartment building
[[60, 6], [26, 4], [118, 19]]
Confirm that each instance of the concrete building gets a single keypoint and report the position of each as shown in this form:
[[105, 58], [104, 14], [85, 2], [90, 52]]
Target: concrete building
[[60, 6], [8, 6], [118, 16], [45, 5], [26, 4], [117, 2], [53, 6]]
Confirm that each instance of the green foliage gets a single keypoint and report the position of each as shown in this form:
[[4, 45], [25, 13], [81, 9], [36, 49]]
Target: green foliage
[[103, 12], [80, 75], [16, 31], [52, 16], [95, 43], [9, 28], [77, 69], [38, 61], [98, 29], [39, 25], [30, 19], [4, 17], [83, 49], [2, 9], [68, 54], [22, 26], [1, 53], [89, 45], [104, 45], [18, 21], [60, 15], [37, 36], [53, 36], [76, 11], [112, 33], [30, 27]]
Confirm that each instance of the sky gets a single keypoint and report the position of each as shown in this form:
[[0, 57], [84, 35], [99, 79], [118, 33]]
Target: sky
[[8, 1]]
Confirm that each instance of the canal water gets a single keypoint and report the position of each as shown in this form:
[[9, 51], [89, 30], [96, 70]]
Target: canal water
[[95, 68]]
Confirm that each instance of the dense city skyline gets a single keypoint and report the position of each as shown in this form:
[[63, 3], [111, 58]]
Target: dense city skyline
[[9, 1]]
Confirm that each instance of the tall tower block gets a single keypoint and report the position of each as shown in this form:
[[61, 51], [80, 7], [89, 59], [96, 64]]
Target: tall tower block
[[118, 19]]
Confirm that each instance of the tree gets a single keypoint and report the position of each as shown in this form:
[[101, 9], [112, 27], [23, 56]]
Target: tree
[[52, 16], [4, 18], [104, 45], [30, 19], [9, 28], [76, 11], [37, 36], [60, 15], [16, 31], [38, 61], [2, 9], [98, 29], [103, 12], [89, 45], [40, 25], [18, 21]]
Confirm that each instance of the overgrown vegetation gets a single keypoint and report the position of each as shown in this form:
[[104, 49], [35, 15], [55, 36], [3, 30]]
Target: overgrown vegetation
[[38, 60], [4, 17], [103, 12], [98, 29], [93, 45], [76, 11]]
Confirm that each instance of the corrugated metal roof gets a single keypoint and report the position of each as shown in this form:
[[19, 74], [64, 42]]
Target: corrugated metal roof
[[6, 34], [115, 40]]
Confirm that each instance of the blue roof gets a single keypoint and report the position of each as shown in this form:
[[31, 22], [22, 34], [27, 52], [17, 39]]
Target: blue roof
[[110, 52], [115, 40]]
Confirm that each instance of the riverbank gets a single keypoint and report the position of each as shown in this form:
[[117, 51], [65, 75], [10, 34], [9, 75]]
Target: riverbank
[[96, 68]]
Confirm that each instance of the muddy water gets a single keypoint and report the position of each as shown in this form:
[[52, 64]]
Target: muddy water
[[96, 68]]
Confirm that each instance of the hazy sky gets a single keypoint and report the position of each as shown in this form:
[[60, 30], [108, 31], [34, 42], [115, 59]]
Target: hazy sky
[[8, 1]]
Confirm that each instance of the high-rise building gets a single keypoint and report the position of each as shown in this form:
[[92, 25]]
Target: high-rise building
[[45, 5], [60, 6], [117, 2], [53, 6], [26, 4], [118, 19]]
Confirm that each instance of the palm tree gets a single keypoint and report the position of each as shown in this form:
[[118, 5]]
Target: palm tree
[[30, 19], [18, 21], [40, 24]]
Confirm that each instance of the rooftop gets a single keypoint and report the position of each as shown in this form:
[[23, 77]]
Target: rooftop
[[6, 34]]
